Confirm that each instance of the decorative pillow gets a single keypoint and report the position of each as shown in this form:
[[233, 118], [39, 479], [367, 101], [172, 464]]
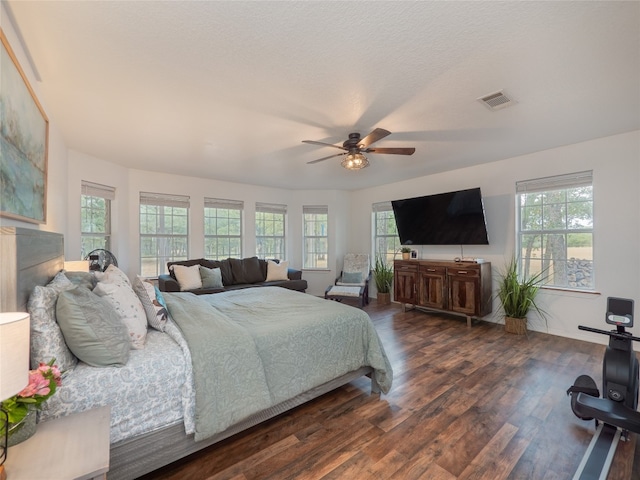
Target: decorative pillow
[[224, 266], [156, 313], [211, 277], [188, 277], [246, 270], [92, 328], [114, 275], [47, 341], [351, 277], [128, 306], [277, 271], [159, 297], [186, 263], [82, 279]]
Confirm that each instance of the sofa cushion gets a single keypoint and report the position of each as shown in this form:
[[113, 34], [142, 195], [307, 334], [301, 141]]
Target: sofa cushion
[[246, 270], [225, 269]]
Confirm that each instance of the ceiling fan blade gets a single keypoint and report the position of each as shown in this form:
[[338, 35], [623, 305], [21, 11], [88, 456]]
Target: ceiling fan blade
[[313, 142], [374, 136], [326, 158], [392, 151]]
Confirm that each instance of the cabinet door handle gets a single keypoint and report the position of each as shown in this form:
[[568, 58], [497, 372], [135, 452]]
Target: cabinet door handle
[[431, 269], [462, 272]]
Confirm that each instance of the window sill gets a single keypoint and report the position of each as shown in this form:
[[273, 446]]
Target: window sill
[[561, 290], [316, 269]]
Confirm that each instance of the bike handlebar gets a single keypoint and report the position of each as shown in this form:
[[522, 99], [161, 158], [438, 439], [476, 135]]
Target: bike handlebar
[[611, 333]]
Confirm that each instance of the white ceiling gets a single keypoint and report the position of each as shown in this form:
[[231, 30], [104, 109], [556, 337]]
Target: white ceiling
[[228, 90]]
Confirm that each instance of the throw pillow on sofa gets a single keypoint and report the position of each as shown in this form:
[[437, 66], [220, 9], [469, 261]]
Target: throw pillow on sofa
[[211, 277], [277, 271], [188, 277]]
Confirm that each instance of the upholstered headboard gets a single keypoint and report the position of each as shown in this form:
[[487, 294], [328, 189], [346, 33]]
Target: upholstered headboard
[[28, 258]]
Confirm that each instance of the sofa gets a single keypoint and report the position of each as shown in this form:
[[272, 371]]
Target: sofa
[[235, 274]]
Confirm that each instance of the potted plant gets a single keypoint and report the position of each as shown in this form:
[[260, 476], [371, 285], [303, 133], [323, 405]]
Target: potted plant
[[383, 276], [518, 296], [406, 252]]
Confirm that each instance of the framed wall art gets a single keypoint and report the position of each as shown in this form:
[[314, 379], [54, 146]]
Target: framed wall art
[[24, 138]]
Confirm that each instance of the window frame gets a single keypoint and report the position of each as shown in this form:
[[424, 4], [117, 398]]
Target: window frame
[[561, 196], [312, 260], [164, 201], [274, 210], [220, 206], [91, 190], [383, 211]]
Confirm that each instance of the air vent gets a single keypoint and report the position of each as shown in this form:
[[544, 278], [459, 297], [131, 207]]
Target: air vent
[[496, 101]]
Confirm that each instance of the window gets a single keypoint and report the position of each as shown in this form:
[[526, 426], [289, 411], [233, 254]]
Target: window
[[315, 221], [555, 229], [386, 241], [164, 231], [95, 214], [222, 228], [270, 228]]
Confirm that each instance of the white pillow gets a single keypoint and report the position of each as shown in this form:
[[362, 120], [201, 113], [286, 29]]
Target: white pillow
[[114, 275], [277, 271], [188, 277], [127, 305]]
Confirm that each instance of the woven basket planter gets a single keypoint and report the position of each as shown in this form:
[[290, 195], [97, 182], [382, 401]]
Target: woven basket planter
[[515, 325], [383, 298]]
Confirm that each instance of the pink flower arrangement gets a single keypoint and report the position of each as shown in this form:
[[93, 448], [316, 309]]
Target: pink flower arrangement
[[42, 384]]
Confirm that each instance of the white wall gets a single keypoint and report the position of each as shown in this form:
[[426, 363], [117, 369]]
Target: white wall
[[57, 153], [86, 167], [615, 162]]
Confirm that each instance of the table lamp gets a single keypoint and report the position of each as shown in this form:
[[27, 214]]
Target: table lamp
[[76, 266], [14, 366]]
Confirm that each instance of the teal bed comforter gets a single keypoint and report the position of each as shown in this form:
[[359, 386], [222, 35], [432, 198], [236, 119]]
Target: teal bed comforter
[[254, 348]]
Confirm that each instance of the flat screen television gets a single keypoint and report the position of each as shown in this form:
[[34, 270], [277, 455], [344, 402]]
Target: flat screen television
[[453, 218]]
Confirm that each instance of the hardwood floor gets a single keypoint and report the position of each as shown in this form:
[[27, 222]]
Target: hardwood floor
[[466, 403]]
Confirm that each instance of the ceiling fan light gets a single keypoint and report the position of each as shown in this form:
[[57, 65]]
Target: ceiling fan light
[[355, 161]]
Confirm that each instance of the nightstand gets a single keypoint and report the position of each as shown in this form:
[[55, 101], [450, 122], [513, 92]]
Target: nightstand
[[75, 447]]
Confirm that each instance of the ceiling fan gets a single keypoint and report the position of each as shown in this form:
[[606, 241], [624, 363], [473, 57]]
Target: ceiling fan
[[355, 148]]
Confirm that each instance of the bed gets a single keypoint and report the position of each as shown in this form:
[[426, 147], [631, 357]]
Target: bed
[[259, 353]]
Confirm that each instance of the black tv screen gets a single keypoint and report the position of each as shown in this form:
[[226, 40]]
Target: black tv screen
[[453, 218]]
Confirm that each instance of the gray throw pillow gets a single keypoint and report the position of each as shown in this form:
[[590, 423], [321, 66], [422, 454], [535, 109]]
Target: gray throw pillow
[[352, 277], [92, 329], [211, 277], [225, 269]]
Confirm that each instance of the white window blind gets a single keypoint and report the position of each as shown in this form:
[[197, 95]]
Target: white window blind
[[382, 207], [557, 182], [97, 190], [315, 209], [223, 203], [164, 200], [270, 208]]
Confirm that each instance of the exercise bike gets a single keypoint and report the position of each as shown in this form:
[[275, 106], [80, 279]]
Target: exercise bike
[[616, 412]]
